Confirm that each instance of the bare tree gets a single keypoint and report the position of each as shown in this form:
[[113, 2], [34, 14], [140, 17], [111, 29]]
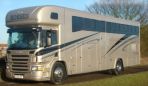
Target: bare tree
[[125, 9]]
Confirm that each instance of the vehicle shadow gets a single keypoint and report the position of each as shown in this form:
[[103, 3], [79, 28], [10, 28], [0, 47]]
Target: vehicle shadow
[[2, 62], [2, 67]]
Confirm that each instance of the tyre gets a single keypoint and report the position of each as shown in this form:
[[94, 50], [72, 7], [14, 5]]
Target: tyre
[[58, 73], [119, 67]]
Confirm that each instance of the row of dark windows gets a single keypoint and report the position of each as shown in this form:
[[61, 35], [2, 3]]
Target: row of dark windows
[[80, 23]]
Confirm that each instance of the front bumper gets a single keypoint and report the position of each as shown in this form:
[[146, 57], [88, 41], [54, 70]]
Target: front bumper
[[33, 76]]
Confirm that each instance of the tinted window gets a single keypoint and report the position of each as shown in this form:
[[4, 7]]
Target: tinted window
[[108, 27], [80, 23], [44, 38], [54, 39], [100, 26], [89, 24], [77, 23], [54, 15]]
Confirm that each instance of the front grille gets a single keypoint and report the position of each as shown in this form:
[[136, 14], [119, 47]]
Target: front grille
[[20, 66], [20, 63], [20, 60], [19, 55], [19, 69]]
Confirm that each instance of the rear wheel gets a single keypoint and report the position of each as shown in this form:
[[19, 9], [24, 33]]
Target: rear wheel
[[58, 73], [119, 67]]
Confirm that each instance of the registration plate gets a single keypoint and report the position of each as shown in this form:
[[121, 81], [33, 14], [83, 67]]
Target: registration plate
[[19, 76]]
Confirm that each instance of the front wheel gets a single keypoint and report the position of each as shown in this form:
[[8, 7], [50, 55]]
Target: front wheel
[[119, 67], [58, 73]]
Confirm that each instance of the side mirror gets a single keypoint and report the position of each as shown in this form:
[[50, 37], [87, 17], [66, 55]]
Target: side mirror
[[49, 37]]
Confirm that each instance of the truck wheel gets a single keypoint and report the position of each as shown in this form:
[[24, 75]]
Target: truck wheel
[[58, 73], [119, 67]]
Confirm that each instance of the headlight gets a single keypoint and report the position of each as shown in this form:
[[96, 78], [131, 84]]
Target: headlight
[[7, 66], [37, 68]]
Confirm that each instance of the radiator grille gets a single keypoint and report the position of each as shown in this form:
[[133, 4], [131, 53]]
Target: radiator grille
[[20, 63]]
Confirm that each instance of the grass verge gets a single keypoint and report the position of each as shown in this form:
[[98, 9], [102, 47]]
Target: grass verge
[[139, 79]]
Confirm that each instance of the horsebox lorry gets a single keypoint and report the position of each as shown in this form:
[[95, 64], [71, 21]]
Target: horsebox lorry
[[47, 43]]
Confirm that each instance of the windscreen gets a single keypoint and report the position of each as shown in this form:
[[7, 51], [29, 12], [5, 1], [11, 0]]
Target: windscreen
[[22, 39]]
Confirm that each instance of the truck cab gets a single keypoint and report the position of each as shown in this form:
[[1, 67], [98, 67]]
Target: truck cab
[[33, 42]]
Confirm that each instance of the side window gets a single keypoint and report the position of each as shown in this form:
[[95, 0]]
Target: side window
[[44, 38], [48, 37], [54, 15], [54, 37], [108, 27]]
